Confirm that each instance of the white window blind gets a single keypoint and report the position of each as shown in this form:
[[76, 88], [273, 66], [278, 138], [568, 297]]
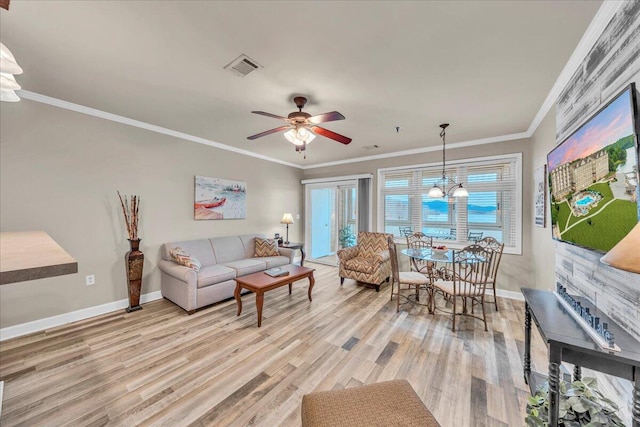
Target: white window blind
[[492, 208]]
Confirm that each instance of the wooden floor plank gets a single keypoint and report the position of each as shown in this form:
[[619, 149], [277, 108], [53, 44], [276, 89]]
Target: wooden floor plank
[[160, 366]]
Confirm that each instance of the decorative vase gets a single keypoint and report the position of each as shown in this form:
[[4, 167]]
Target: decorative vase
[[134, 261]]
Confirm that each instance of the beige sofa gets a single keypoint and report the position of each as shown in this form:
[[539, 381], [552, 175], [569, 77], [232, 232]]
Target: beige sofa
[[223, 259]]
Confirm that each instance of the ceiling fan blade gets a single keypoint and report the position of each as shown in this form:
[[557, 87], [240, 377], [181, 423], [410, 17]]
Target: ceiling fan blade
[[268, 132], [262, 113], [326, 117], [330, 134]]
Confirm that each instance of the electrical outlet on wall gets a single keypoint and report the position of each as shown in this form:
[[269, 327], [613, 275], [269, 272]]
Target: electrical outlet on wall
[[90, 279]]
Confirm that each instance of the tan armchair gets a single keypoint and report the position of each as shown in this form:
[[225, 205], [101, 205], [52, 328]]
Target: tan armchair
[[369, 262]]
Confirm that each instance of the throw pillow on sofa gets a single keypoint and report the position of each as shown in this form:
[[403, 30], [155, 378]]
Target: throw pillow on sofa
[[182, 257], [265, 248]]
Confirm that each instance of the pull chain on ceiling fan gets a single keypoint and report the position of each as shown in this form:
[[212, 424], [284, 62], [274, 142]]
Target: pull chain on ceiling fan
[[302, 127]]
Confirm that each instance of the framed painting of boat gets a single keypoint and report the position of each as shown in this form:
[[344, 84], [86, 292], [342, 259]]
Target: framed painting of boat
[[217, 198]]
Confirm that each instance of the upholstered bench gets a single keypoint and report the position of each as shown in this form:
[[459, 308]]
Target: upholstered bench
[[390, 403]]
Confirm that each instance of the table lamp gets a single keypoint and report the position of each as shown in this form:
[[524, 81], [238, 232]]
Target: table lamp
[[287, 219]]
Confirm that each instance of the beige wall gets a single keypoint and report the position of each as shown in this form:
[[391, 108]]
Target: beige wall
[[515, 270], [59, 172], [543, 251]]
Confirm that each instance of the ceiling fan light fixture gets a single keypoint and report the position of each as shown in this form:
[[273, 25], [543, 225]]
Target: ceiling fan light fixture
[[299, 136], [8, 63], [8, 82], [9, 96]]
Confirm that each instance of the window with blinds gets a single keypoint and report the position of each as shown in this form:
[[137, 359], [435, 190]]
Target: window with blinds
[[492, 208]]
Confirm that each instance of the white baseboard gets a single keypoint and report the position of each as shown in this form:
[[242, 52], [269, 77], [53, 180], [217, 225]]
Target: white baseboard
[[74, 316]]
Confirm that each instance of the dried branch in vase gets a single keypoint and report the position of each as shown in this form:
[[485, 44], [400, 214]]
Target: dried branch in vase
[[130, 211]]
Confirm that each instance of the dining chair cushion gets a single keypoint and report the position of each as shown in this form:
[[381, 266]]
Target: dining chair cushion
[[413, 278]]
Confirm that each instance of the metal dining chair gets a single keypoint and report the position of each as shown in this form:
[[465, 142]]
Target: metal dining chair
[[491, 244], [412, 279], [465, 279]]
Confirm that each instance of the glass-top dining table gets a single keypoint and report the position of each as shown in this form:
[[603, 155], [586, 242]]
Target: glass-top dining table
[[449, 257]]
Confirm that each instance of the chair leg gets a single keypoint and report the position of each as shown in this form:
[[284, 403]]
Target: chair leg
[[484, 315], [398, 298], [495, 300], [453, 328], [377, 288], [392, 285], [341, 281]]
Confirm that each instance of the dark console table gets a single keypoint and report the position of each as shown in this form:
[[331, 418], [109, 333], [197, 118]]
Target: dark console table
[[294, 246], [567, 341]]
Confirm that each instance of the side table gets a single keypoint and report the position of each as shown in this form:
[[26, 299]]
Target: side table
[[294, 246]]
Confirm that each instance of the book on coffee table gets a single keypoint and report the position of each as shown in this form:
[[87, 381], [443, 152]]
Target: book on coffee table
[[277, 272]]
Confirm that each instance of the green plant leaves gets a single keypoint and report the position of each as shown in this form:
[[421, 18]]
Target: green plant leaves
[[581, 404]]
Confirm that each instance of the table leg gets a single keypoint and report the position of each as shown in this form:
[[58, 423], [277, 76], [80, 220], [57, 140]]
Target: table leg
[[635, 410], [303, 256], [290, 288], [238, 299], [312, 282], [527, 344], [259, 301], [555, 358], [577, 373]]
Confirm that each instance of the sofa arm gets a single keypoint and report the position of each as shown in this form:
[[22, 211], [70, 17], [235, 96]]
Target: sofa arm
[[346, 254], [289, 253], [383, 256], [177, 271]]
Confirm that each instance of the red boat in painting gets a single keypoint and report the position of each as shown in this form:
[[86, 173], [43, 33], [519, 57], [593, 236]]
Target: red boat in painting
[[213, 203]]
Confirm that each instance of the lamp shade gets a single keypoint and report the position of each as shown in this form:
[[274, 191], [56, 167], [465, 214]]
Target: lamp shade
[[625, 255], [287, 219], [435, 192], [460, 191]]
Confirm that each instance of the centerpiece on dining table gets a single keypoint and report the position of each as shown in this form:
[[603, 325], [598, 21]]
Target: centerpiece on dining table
[[440, 251]]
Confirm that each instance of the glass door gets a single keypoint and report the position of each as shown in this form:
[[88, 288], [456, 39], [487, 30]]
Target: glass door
[[331, 219]]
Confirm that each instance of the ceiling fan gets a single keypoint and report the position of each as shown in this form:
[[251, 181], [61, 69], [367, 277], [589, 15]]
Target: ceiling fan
[[302, 127]]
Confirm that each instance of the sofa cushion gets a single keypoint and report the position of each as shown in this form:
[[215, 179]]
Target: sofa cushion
[[182, 257], [228, 249], [362, 265], [265, 248], [247, 266], [213, 274], [275, 261], [200, 249]]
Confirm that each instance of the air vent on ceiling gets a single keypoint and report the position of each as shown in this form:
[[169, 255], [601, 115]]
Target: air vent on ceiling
[[242, 65], [371, 147]]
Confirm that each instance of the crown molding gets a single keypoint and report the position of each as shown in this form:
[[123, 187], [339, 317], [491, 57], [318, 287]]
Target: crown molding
[[33, 96], [600, 21], [491, 140]]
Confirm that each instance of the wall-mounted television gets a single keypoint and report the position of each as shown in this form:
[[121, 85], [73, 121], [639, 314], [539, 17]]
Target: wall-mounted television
[[593, 177]]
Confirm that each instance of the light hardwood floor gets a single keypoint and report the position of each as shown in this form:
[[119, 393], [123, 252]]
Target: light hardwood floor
[[159, 366]]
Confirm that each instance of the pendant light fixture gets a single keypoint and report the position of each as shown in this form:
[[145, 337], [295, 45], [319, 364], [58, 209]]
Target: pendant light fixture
[[457, 188]]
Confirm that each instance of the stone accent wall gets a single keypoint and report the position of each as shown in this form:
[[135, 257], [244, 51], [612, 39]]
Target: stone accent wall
[[610, 66]]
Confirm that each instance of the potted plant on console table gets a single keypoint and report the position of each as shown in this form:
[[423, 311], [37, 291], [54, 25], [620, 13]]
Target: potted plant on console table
[[134, 259], [581, 404]]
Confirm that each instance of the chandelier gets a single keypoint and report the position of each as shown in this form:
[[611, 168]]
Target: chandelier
[[457, 188]]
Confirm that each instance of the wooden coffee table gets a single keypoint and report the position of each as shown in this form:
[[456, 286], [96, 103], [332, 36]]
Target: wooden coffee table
[[261, 282]]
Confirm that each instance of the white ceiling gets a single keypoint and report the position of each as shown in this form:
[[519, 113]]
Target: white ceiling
[[486, 67]]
